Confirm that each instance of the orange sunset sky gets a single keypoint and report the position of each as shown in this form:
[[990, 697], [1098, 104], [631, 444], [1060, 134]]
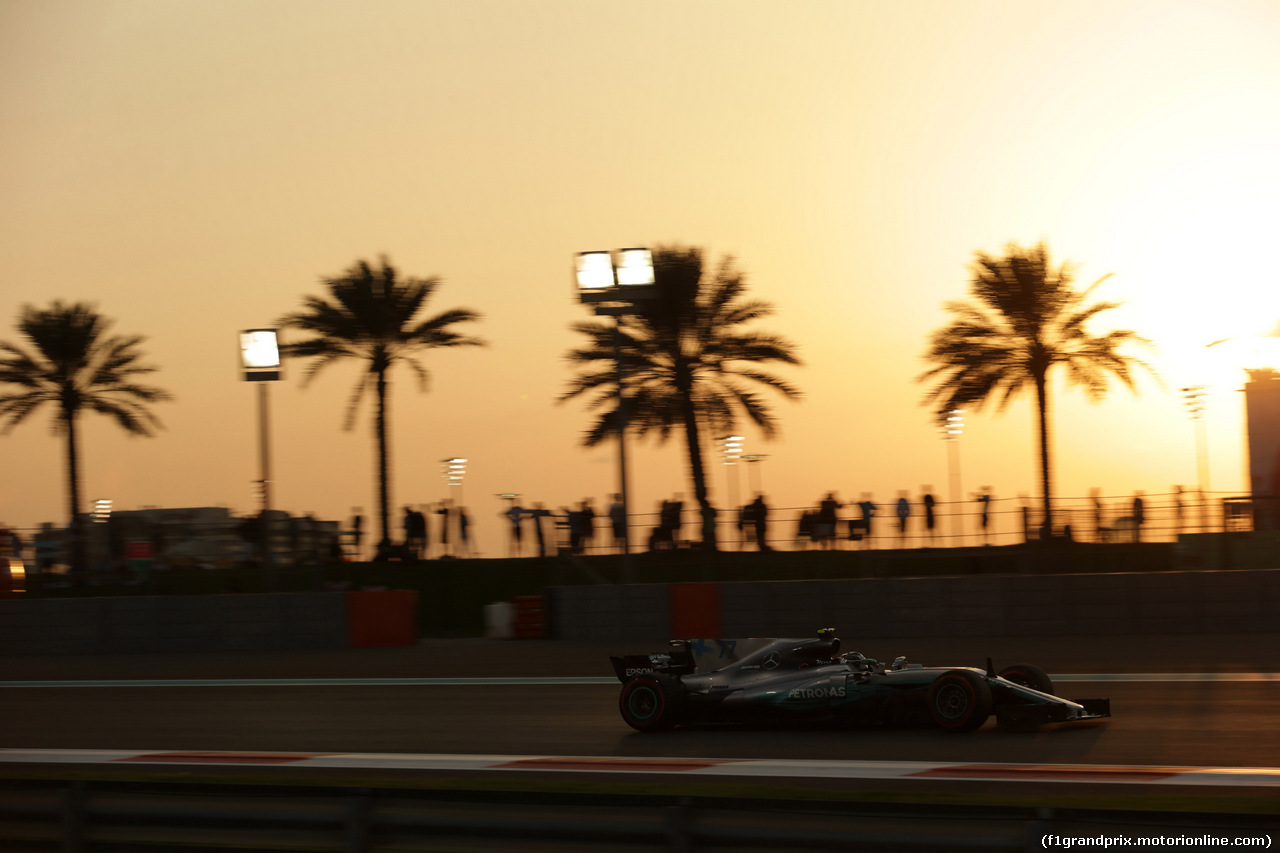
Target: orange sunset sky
[[194, 168]]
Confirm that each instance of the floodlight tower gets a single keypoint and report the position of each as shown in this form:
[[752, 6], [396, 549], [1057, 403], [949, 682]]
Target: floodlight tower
[[731, 450], [614, 284], [952, 427], [260, 360], [1194, 396], [455, 468]]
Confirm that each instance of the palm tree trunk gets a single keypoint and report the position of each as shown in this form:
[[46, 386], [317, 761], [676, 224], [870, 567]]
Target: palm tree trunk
[[1046, 489], [384, 501], [699, 475], [75, 527]]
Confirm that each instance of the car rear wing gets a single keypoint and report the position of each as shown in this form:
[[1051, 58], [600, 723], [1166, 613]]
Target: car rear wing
[[678, 661]]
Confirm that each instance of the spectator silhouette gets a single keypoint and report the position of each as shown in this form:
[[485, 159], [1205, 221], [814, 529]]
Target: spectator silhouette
[[357, 530], [444, 512], [515, 515], [868, 509], [805, 528], [538, 513], [415, 532], [826, 521], [464, 532], [670, 521], [760, 521], [930, 518], [618, 523], [984, 515], [904, 512], [587, 516], [573, 520]]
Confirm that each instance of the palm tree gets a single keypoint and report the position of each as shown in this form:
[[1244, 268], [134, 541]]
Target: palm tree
[[370, 316], [1025, 318], [76, 366], [686, 363]]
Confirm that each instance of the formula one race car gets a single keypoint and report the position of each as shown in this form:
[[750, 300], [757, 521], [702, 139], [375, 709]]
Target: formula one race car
[[781, 680]]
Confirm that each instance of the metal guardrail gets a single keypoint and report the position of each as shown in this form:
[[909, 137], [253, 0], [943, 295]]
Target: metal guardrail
[[84, 816]]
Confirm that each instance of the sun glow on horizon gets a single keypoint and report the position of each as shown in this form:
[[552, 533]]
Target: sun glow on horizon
[[193, 176]]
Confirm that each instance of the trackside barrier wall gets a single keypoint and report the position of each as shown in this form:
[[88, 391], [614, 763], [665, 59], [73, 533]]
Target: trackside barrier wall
[[207, 623], [695, 609], [529, 618], [988, 605], [609, 612], [382, 618]]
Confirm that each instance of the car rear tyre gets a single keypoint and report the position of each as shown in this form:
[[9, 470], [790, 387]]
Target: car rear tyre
[[651, 703], [959, 701], [1028, 676]]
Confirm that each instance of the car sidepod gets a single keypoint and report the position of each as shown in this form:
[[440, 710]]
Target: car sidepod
[[832, 693]]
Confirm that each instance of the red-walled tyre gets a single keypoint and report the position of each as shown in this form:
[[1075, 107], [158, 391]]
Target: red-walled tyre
[[959, 701], [1028, 676], [651, 703]]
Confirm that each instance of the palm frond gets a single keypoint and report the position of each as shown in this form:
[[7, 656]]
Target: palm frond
[[690, 336], [1024, 317], [369, 316]]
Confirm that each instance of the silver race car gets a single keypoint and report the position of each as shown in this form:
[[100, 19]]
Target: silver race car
[[810, 680]]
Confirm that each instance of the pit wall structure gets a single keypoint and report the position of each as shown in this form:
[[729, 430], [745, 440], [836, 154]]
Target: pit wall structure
[[1225, 602], [208, 623]]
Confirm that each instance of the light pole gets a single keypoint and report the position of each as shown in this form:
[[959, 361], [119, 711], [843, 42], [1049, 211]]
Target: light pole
[[612, 286], [260, 360], [731, 450], [454, 469], [952, 425], [514, 519], [753, 482], [1194, 397], [101, 540]]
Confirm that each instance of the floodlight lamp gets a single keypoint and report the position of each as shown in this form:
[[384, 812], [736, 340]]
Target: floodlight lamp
[[454, 469], [101, 510], [258, 349], [594, 271], [260, 354], [635, 267]]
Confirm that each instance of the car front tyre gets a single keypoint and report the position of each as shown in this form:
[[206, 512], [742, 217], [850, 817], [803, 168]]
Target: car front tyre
[[959, 701], [1028, 676]]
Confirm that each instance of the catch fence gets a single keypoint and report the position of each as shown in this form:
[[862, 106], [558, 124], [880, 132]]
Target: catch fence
[[1000, 521]]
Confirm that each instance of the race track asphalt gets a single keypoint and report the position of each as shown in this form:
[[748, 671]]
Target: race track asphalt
[[1199, 723]]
